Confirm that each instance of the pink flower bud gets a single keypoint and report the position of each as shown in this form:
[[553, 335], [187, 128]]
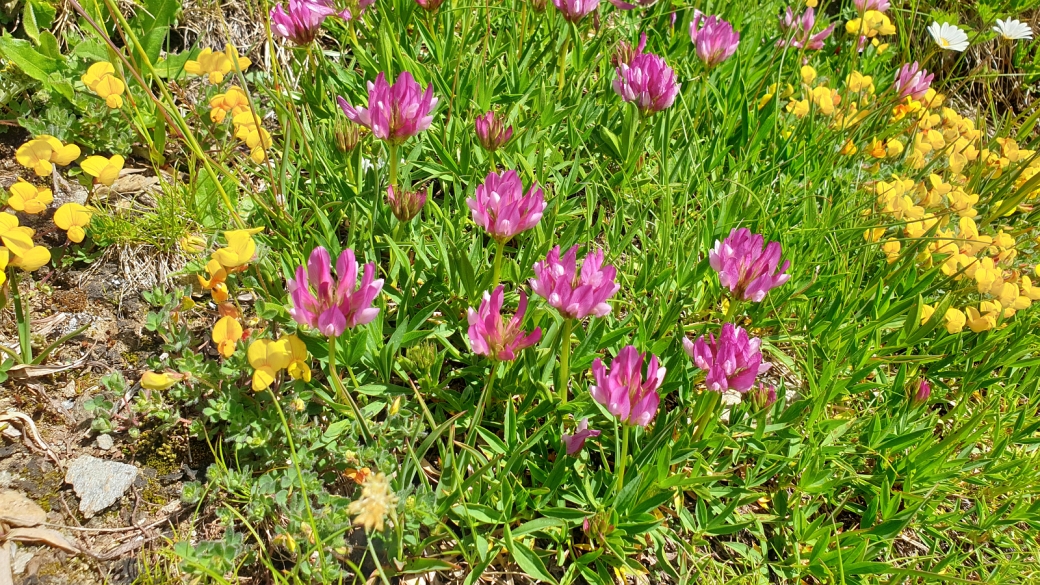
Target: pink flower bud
[[923, 393], [713, 38], [301, 21], [492, 133], [430, 5], [576, 442], [648, 82], [912, 81], [745, 268], [407, 204], [796, 31], [575, 10]]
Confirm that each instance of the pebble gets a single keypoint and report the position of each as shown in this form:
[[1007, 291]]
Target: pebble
[[99, 483], [105, 442]]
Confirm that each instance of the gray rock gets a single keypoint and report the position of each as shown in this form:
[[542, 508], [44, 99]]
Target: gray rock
[[98, 482], [105, 442]]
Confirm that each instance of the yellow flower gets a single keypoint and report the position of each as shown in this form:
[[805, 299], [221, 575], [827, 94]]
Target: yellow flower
[[257, 138], [873, 234], [104, 170], [848, 149], [988, 277], [985, 318], [926, 313], [192, 244], [16, 238], [219, 292], [891, 249], [234, 102], [95, 72], [798, 107], [29, 198], [298, 367], [5, 257], [217, 275], [73, 217], [267, 358], [43, 152], [110, 88], [825, 98], [226, 333], [857, 82], [808, 74], [159, 380], [894, 148], [215, 65], [955, 320], [240, 248]]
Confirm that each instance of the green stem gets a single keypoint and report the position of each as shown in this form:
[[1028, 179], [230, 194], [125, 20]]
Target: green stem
[[496, 270], [478, 415], [626, 430], [709, 402], [562, 66], [393, 166], [299, 477], [344, 396], [23, 318], [565, 358], [666, 218], [734, 308]]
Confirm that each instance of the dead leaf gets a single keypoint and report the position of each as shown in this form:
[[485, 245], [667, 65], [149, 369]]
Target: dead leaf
[[22, 372], [6, 576], [18, 510], [47, 536]]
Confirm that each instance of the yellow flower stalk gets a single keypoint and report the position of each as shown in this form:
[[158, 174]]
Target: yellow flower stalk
[[104, 170], [267, 358], [43, 152], [73, 217], [29, 198], [226, 334]]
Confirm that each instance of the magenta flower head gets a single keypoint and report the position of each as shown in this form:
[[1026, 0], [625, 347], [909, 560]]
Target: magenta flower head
[[745, 268], [624, 53], [430, 5], [395, 112], [648, 82], [713, 38], [913, 81], [575, 294], [405, 204], [501, 207], [763, 396], [492, 132], [796, 31], [576, 442], [329, 306], [301, 21], [924, 391], [865, 5], [732, 361], [623, 391], [575, 10], [489, 335]]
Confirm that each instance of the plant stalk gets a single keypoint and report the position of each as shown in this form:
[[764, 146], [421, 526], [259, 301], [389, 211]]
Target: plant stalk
[[496, 270], [478, 415], [393, 166], [626, 430], [734, 309], [23, 317], [342, 391], [565, 358], [562, 66]]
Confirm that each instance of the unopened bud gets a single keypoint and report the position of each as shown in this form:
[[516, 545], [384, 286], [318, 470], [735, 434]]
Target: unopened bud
[[404, 203], [763, 396], [923, 392], [348, 135], [492, 133]]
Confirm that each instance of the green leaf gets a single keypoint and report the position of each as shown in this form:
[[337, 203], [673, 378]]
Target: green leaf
[[525, 557], [154, 25], [25, 57], [36, 16]]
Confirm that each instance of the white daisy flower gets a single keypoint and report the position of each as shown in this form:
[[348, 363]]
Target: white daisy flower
[[948, 36], [1013, 30]]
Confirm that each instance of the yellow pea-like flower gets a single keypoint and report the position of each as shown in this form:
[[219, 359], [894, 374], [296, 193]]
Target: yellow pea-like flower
[[240, 248], [29, 198], [43, 152], [267, 358], [104, 170], [219, 292], [234, 102], [32, 259], [955, 320], [95, 72], [159, 380], [73, 217], [226, 334], [15, 238], [5, 257], [298, 368], [217, 275], [926, 313], [111, 88]]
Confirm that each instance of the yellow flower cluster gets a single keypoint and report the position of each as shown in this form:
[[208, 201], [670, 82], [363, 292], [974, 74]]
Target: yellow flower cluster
[[101, 79], [29, 198], [43, 152], [255, 136], [233, 102], [871, 25], [215, 64], [268, 357], [239, 251], [844, 110]]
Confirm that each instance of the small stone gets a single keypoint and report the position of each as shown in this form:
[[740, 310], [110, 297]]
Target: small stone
[[105, 442], [99, 483]]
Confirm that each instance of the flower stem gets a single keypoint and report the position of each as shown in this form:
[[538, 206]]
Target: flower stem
[[299, 476], [24, 319], [496, 270], [393, 165], [343, 395], [709, 401], [734, 308], [565, 358], [478, 415], [562, 66], [626, 430]]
